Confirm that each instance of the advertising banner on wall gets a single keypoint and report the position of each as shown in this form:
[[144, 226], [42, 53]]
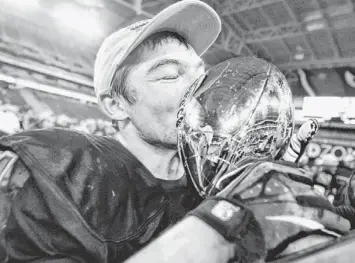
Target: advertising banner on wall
[[337, 144]]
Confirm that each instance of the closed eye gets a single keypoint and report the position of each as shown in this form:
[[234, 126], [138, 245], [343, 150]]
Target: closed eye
[[170, 77]]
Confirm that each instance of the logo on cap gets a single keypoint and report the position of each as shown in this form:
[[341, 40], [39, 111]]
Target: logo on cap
[[139, 25]]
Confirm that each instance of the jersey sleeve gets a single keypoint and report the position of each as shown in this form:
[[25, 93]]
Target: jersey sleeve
[[29, 231]]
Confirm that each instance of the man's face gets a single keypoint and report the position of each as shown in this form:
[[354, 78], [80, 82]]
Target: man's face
[[158, 84]]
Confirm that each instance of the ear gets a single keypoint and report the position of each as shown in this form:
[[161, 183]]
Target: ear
[[115, 109]]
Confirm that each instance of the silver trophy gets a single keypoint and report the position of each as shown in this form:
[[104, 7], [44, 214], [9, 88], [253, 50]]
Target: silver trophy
[[241, 109]]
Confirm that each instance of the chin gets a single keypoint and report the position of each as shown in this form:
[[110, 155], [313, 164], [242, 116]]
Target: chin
[[165, 145], [171, 146], [171, 140], [166, 141]]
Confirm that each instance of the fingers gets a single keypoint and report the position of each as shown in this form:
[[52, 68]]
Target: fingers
[[303, 217], [333, 221], [328, 219], [314, 201]]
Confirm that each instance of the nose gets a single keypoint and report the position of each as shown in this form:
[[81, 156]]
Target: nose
[[193, 70], [193, 74]]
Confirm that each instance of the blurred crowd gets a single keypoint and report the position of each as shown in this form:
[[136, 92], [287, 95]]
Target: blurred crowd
[[15, 119], [332, 174]]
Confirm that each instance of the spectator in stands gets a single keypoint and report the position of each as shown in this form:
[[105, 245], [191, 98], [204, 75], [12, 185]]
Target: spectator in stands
[[91, 125], [9, 123]]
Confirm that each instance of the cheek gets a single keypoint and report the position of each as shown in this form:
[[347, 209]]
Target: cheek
[[155, 111], [164, 110], [164, 103], [161, 103]]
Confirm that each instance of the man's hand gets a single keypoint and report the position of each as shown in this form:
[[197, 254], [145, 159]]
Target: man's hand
[[300, 140], [267, 207]]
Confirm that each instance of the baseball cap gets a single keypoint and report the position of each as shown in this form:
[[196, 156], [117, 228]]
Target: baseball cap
[[196, 21]]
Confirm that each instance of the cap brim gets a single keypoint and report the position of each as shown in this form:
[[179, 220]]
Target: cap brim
[[196, 21]]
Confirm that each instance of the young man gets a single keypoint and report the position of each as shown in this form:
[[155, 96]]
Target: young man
[[81, 198], [74, 197]]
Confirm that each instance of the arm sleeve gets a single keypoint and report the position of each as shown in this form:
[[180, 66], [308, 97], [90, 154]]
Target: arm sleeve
[[29, 232]]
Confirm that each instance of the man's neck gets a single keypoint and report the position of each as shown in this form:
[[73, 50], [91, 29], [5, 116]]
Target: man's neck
[[162, 163]]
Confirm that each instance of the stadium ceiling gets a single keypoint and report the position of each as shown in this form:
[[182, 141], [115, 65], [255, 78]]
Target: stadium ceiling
[[293, 34]]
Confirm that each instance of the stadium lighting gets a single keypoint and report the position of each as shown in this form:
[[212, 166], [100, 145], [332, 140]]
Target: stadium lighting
[[299, 53], [81, 20], [21, 4], [22, 83], [28, 3]]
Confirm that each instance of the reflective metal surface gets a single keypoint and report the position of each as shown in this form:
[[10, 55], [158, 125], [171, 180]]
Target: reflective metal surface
[[241, 108]]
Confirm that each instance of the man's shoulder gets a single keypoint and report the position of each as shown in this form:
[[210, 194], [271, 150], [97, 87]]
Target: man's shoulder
[[48, 136], [271, 167], [58, 141], [274, 165], [56, 152]]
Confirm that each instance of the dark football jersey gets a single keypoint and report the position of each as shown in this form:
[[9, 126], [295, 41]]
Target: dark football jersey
[[73, 197]]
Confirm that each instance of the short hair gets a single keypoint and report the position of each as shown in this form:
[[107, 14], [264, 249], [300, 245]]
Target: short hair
[[119, 81]]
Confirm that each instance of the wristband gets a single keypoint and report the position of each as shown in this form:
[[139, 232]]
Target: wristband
[[236, 224], [225, 217]]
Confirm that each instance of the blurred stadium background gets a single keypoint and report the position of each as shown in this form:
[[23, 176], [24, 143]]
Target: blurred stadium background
[[48, 47]]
